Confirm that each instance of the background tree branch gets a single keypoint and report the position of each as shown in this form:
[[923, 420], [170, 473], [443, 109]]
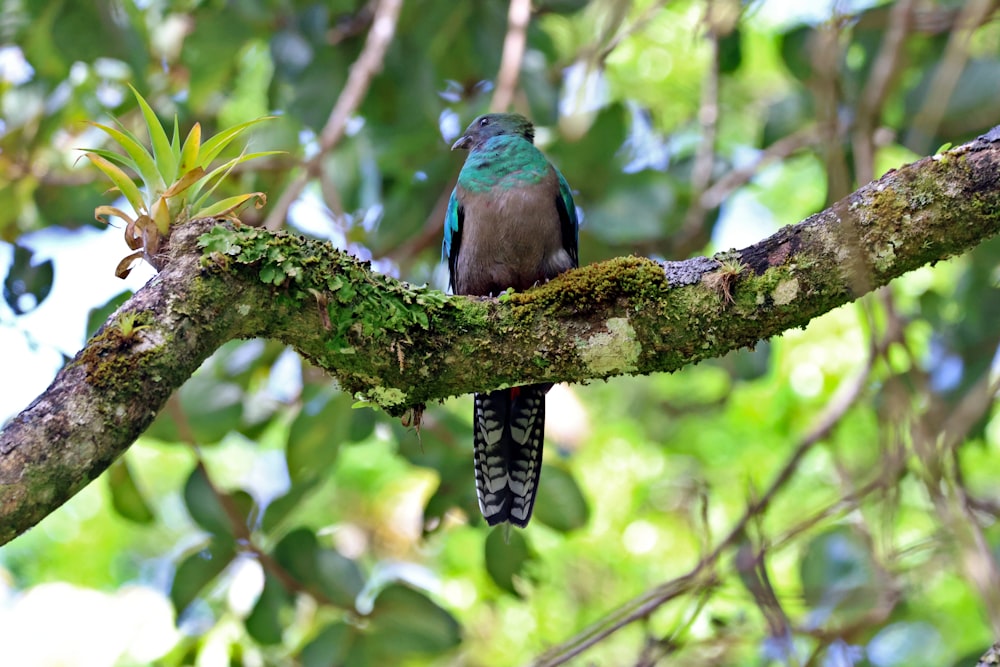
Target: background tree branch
[[399, 346]]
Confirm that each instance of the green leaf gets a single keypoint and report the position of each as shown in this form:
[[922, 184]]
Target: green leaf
[[296, 552], [27, 278], [560, 504], [142, 160], [731, 51], [324, 570], [125, 495], [212, 147], [316, 434], [116, 158], [175, 146], [164, 428], [204, 506], [230, 205], [214, 177], [362, 424], [198, 569], [268, 274], [506, 556], [332, 646], [406, 622], [163, 154], [281, 507], [190, 150], [100, 314], [245, 506], [187, 179], [339, 577], [121, 180], [220, 240], [61, 206], [839, 575], [264, 622], [212, 408], [797, 51]]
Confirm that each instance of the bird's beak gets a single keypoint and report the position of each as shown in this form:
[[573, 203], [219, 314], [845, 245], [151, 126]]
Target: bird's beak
[[463, 142]]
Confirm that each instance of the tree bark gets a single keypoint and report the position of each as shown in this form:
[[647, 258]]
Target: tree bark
[[399, 346]]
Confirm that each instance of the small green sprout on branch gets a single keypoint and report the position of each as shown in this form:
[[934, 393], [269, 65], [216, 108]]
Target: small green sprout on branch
[[176, 180]]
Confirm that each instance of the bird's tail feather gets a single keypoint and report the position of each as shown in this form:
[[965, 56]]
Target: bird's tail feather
[[509, 429]]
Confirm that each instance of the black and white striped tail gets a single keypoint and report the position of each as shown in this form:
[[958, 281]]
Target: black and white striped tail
[[509, 429]]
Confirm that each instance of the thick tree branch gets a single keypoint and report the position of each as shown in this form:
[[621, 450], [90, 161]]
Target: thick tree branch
[[401, 346]]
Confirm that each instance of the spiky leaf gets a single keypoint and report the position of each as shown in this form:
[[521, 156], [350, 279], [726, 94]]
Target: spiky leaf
[[211, 149], [143, 162], [191, 149], [230, 205], [121, 180], [165, 157], [217, 175]]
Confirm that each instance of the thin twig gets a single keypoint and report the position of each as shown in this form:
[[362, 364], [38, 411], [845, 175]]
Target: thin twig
[[844, 398], [826, 53], [364, 69], [779, 150], [518, 15], [704, 159], [977, 557], [245, 538], [936, 437], [883, 72], [240, 530], [751, 567], [698, 578], [956, 53], [638, 24], [704, 575], [974, 404]]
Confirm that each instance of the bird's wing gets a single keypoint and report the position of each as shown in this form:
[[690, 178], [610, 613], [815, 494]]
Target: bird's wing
[[452, 235], [570, 225]]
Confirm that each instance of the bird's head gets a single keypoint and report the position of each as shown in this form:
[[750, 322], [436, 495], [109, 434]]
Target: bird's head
[[494, 125]]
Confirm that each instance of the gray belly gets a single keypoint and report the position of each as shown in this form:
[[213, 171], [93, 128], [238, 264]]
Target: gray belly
[[513, 239]]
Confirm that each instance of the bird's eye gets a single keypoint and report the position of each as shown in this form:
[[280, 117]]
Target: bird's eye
[[483, 122]]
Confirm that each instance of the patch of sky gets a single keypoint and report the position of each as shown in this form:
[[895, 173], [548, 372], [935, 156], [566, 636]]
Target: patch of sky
[[742, 221], [452, 92], [311, 216], [14, 68], [584, 89], [450, 125], [33, 345], [644, 147], [788, 13]]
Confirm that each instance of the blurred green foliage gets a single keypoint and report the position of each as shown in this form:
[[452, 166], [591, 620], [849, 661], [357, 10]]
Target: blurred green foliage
[[286, 526]]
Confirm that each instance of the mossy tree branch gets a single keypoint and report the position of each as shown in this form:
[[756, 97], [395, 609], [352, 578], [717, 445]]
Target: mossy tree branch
[[401, 346]]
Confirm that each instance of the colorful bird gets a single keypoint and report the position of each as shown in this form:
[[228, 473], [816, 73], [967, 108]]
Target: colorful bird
[[511, 222]]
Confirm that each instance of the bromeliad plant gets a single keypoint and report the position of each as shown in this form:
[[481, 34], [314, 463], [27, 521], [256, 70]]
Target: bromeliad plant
[[176, 181]]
